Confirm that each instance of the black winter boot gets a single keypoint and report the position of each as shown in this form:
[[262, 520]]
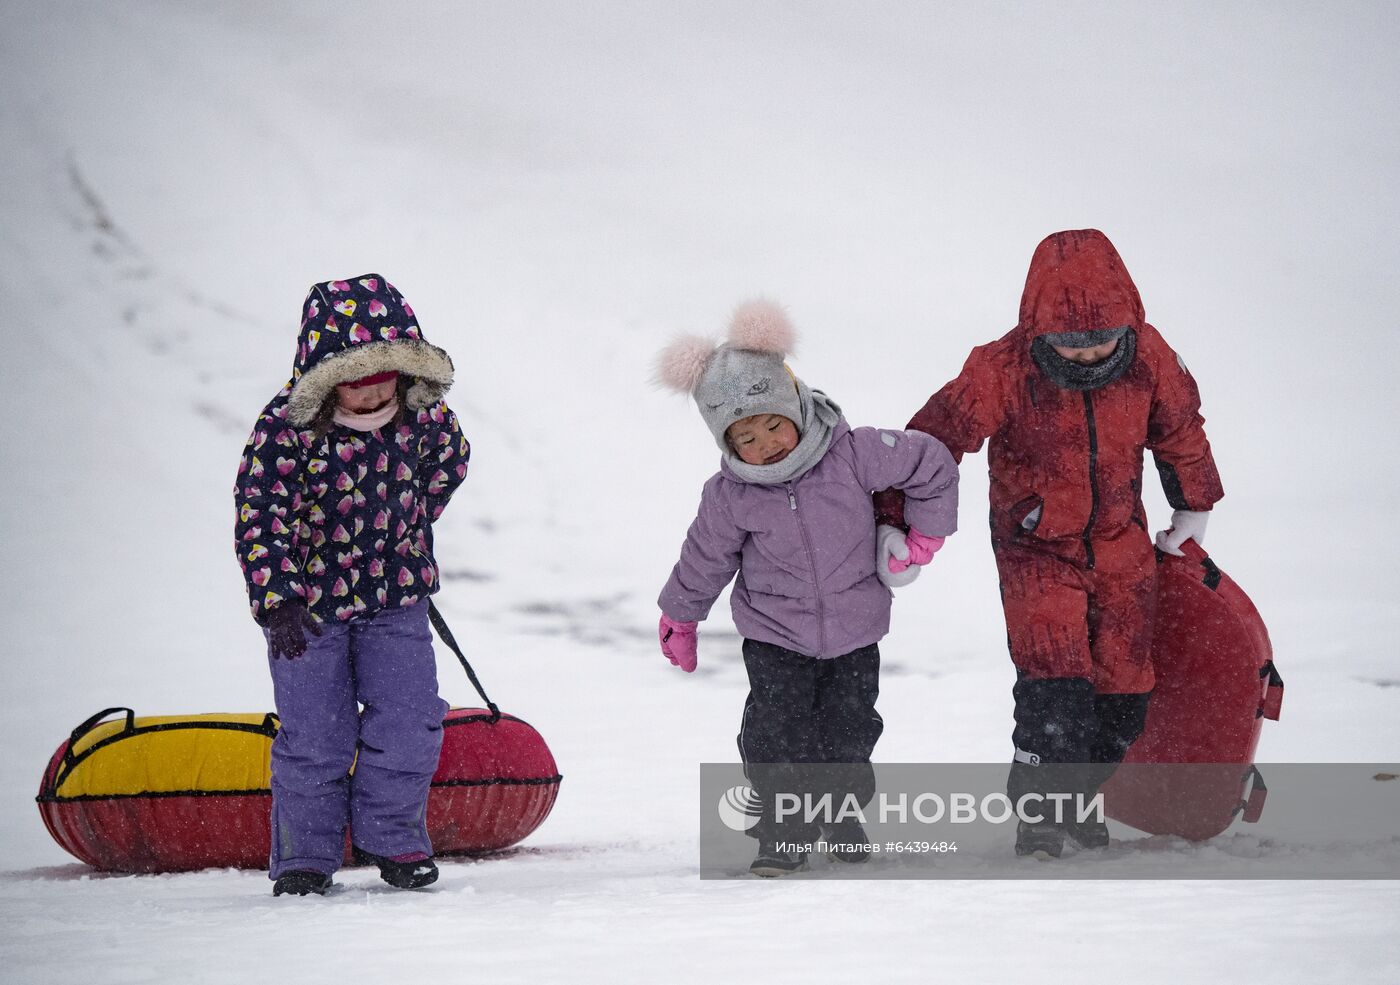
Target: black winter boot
[[846, 841], [1088, 834], [301, 882], [408, 874], [771, 863], [1043, 840]]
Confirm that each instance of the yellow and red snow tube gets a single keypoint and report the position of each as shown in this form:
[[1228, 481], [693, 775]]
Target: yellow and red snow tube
[[170, 794]]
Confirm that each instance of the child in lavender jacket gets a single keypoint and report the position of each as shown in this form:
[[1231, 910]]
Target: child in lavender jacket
[[790, 512]]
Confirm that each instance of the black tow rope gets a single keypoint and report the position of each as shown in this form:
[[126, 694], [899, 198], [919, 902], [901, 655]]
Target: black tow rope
[[445, 634]]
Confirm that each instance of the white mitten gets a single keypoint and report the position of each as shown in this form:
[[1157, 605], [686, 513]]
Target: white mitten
[[889, 543], [1186, 525]]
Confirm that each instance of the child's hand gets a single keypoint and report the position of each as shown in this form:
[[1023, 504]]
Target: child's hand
[[678, 642], [1186, 525], [892, 557], [922, 547], [898, 556], [286, 627]]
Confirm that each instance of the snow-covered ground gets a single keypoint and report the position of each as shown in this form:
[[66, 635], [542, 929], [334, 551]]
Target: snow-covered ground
[[558, 188]]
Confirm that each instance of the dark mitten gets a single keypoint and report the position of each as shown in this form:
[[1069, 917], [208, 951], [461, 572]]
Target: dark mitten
[[286, 627]]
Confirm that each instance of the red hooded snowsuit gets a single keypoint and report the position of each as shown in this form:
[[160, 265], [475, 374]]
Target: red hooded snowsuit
[[1078, 586]]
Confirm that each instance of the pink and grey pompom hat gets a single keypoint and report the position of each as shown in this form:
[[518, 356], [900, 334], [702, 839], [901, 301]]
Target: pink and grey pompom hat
[[741, 377]]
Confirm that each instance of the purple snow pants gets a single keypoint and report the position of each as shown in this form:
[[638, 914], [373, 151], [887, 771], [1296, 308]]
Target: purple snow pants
[[383, 661]]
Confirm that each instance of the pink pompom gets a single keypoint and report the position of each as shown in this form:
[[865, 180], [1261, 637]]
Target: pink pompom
[[681, 364], [762, 326]]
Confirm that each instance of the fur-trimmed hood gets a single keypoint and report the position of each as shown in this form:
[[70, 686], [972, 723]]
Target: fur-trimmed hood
[[355, 328]]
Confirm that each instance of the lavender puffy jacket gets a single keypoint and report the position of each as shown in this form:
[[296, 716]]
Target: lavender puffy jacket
[[805, 550]]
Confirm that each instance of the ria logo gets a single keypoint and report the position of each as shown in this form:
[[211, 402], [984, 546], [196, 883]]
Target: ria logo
[[739, 808]]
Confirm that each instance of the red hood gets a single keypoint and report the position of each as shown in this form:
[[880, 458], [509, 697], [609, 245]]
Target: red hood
[[1077, 283]]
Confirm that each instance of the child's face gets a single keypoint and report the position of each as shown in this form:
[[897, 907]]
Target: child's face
[[1088, 356], [365, 399], [762, 439]]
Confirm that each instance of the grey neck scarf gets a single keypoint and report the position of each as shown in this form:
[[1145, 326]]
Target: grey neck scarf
[[819, 417], [1076, 376]]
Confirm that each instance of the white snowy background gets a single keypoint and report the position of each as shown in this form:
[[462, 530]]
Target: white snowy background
[[558, 188]]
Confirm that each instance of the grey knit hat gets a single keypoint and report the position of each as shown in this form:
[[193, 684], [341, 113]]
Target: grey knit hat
[[742, 377], [741, 383]]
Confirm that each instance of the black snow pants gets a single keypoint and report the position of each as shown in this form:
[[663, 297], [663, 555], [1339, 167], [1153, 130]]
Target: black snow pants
[[1061, 720], [801, 710]]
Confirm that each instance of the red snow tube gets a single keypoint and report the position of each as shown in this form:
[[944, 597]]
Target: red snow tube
[[1216, 683], [174, 794]]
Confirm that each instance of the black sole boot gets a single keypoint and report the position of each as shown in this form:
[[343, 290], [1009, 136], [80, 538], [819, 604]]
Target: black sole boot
[[847, 842], [301, 882], [771, 863], [400, 875], [1088, 834], [1044, 840]]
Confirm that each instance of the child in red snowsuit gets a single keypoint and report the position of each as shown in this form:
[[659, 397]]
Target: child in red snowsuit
[[1070, 398]]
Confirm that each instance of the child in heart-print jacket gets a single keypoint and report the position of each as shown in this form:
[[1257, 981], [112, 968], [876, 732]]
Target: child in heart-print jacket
[[345, 471]]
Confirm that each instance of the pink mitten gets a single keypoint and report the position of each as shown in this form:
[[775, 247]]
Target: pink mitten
[[678, 642], [922, 548]]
